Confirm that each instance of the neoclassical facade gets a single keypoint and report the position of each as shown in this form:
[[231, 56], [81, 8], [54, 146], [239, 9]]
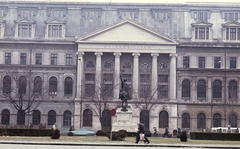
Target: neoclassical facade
[[181, 63]]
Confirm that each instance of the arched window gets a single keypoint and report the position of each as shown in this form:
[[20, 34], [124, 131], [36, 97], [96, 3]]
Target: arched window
[[37, 88], [201, 121], [186, 88], [67, 115], [232, 90], [145, 65], [21, 117], [7, 84], [233, 120], [53, 86], [163, 119], [201, 89], [68, 86], [108, 64], [162, 65], [185, 120], [127, 65], [51, 117], [5, 117], [90, 64], [36, 117], [216, 120], [22, 85], [106, 117], [87, 117], [217, 89], [144, 117]]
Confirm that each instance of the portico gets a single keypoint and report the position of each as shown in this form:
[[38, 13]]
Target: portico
[[134, 51]]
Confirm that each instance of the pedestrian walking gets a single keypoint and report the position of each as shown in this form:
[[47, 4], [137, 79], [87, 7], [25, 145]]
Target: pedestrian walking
[[141, 134], [166, 132]]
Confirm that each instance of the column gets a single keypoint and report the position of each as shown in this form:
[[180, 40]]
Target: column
[[98, 72], [209, 89], [172, 80], [79, 73], [135, 75], [154, 75], [193, 90], [116, 75]]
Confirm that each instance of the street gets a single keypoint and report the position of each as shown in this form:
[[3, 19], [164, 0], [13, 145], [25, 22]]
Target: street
[[24, 146]]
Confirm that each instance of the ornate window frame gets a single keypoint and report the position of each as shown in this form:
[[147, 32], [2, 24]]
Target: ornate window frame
[[228, 34], [57, 24], [201, 28], [23, 24]]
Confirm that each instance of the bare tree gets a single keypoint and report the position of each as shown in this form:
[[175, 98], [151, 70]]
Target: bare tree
[[100, 95], [22, 90], [232, 100]]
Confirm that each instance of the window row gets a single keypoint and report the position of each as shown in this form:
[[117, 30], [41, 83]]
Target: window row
[[36, 117], [126, 65], [216, 89], [39, 59], [38, 87], [217, 62]]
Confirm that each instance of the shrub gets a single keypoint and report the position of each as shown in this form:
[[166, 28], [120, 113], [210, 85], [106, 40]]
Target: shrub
[[101, 133], [148, 133], [118, 136], [122, 134], [183, 136]]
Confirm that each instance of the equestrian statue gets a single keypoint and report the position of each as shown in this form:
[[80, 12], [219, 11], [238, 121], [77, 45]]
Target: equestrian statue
[[124, 93]]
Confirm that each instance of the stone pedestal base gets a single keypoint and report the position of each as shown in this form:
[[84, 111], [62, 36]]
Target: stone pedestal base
[[124, 120]]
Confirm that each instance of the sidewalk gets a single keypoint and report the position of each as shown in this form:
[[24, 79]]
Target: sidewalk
[[120, 143]]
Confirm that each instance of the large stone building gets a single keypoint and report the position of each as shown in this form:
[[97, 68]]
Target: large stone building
[[181, 62]]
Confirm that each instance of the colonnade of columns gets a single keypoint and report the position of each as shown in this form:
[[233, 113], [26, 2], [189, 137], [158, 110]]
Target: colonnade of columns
[[135, 85]]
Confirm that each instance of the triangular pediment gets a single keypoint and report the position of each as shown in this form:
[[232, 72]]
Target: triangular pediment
[[202, 23], [231, 24], [55, 21], [126, 32], [24, 21]]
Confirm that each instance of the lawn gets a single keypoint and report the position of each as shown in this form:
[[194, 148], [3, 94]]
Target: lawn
[[99, 139]]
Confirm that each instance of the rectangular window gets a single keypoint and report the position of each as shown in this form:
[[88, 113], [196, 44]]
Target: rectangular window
[[24, 30], [201, 62], [128, 77], [217, 62], [107, 90], [55, 31], [232, 33], [53, 59], [163, 78], [89, 90], [186, 62], [23, 58], [38, 59], [200, 16], [231, 16], [233, 62], [107, 77], [89, 77], [69, 60], [202, 33], [144, 78], [26, 12], [144, 91], [162, 91], [55, 13], [7, 58]]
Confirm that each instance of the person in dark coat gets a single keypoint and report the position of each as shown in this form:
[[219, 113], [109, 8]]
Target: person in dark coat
[[141, 130], [166, 132]]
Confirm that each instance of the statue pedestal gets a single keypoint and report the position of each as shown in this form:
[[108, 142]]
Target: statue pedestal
[[124, 120]]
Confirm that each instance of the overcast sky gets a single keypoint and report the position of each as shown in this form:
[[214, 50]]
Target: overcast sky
[[135, 1]]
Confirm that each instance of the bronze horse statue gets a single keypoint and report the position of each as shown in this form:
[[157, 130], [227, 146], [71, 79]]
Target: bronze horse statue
[[124, 94]]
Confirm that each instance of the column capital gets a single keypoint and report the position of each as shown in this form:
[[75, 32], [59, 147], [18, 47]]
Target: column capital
[[136, 55], [154, 55], [117, 54], [173, 55], [80, 53], [98, 54]]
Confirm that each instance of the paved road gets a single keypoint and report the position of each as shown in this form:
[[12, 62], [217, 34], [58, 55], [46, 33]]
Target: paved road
[[24, 146]]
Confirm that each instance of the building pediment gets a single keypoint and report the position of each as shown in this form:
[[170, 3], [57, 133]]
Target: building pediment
[[55, 21], [201, 23], [231, 24], [126, 32], [24, 21]]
